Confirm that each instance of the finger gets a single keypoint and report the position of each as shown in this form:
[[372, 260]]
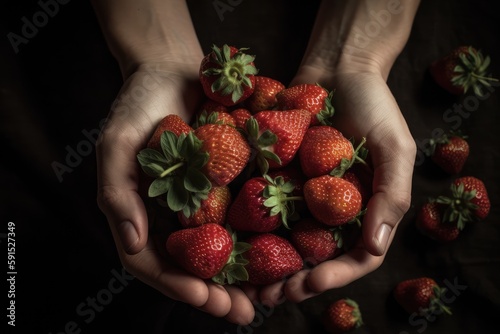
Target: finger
[[297, 288], [219, 302], [251, 291], [393, 159], [342, 270], [242, 311], [272, 295], [154, 270], [117, 195]]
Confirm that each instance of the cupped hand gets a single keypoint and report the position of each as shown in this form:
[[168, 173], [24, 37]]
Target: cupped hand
[[364, 107], [148, 94]]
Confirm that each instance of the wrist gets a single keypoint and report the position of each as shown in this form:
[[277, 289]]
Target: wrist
[[142, 32], [358, 36]]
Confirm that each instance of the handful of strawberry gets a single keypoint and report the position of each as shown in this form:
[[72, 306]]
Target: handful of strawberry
[[261, 163]]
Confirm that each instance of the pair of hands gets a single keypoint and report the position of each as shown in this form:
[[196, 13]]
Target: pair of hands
[[365, 107]]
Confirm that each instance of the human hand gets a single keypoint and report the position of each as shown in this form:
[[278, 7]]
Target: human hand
[[148, 94], [364, 107]]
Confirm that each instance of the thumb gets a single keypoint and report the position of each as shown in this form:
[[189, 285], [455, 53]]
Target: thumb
[[118, 196], [393, 170]]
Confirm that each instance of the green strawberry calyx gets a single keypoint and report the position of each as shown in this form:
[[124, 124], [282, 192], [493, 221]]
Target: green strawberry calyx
[[442, 140], [279, 199], [436, 305], [359, 156], [471, 71], [356, 313], [459, 208], [261, 144], [233, 72], [205, 118], [234, 270], [326, 114], [177, 171]]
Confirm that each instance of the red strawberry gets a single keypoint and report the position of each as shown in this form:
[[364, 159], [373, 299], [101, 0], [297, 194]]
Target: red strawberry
[[209, 251], [240, 116], [171, 123], [315, 242], [228, 152], [227, 75], [362, 177], [264, 94], [332, 200], [262, 205], [450, 152], [211, 106], [342, 316], [421, 296], [212, 210], [270, 259], [430, 222], [310, 97], [469, 201], [322, 150], [463, 69], [277, 136]]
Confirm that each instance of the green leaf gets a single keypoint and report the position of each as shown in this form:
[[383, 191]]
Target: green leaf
[[239, 273], [168, 143], [178, 196], [271, 201], [241, 247], [270, 156], [153, 169], [160, 186], [196, 181], [267, 138], [149, 155]]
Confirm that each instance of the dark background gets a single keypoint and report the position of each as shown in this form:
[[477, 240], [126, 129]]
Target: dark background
[[60, 85]]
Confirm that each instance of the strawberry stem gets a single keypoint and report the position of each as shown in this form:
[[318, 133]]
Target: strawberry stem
[[171, 169]]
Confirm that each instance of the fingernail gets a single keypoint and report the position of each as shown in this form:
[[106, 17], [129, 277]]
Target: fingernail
[[382, 237], [128, 234]]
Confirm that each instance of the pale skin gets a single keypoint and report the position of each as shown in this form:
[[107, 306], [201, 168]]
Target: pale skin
[[159, 55]]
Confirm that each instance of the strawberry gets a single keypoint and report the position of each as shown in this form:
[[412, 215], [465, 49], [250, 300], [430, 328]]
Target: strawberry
[[171, 123], [362, 177], [270, 259], [332, 200], [430, 222], [240, 116], [262, 205], [325, 150], [310, 97], [209, 251], [469, 201], [450, 152], [211, 106], [342, 316], [212, 209], [421, 296], [276, 136], [264, 94], [227, 75], [462, 69], [315, 242], [228, 152]]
